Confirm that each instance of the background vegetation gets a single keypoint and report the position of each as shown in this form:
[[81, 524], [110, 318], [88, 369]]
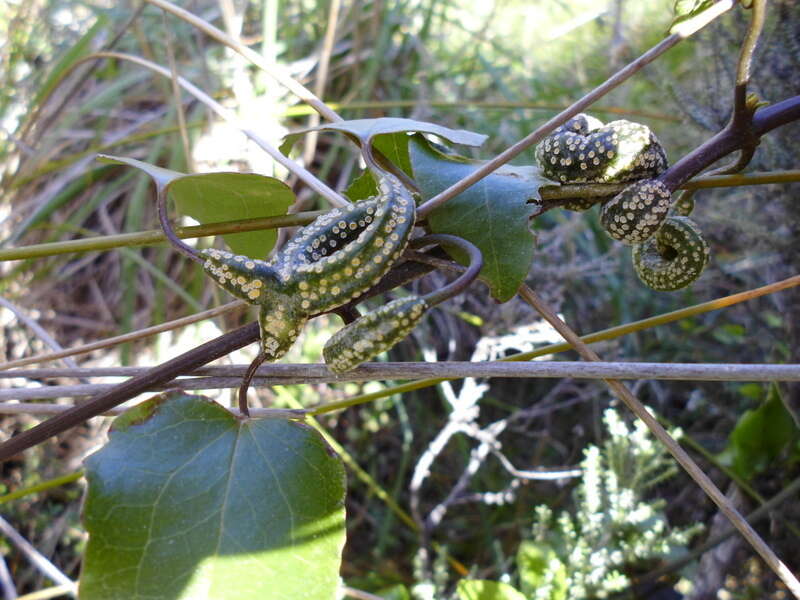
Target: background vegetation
[[498, 68]]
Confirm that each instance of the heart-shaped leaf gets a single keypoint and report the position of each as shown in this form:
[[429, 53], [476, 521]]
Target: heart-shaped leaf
[[218, 197], [493, 214], [188, 502], [363, 130]]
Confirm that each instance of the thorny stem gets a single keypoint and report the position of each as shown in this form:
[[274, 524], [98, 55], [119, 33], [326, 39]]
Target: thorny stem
[[741, 121], [742, 113], [683, 458]]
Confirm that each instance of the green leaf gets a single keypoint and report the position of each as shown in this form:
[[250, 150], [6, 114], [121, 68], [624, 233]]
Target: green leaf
[[482, 589], [686, 10], [363, 130], [534, 561], [759, 437], [186, 501], [218, 197], [753, 391], [493, 214], [394, 147]]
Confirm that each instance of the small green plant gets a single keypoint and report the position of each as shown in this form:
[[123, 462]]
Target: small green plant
[[613, 530]]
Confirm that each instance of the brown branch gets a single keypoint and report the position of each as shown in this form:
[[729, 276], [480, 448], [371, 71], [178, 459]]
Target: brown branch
[[729, 140]]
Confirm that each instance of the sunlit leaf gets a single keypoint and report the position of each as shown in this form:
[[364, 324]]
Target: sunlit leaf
[[493, 214], [481, 589], [534, 560], [218, 197], [188, 502]]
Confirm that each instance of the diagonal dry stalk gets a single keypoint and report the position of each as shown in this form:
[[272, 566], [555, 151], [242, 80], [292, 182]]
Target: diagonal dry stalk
[[694, 471]]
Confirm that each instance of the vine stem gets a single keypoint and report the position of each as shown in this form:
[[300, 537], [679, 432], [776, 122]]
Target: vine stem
[[683, 458], [587, 100], [730, 139]]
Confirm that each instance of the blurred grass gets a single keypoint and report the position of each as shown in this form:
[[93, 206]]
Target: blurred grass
[[499, 69]]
